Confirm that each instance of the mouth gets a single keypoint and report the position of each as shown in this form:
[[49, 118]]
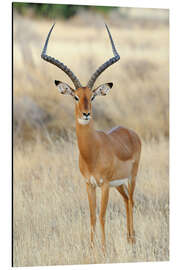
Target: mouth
[[84, 120]]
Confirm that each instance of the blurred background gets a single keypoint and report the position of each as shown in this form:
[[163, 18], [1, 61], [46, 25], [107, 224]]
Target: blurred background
[[44, 129], [139, 98]]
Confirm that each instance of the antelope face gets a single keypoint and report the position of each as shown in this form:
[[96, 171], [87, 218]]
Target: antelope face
[[83, 97]]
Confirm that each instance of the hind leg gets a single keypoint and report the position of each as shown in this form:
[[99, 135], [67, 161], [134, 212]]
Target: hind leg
[[124, 191], [131, 187], [125, 194], [131, 236]]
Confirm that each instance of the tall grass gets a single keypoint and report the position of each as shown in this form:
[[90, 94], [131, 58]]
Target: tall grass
[[51, 216]]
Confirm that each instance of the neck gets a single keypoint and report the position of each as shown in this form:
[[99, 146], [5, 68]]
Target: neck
[[86, 137], [86, 132]]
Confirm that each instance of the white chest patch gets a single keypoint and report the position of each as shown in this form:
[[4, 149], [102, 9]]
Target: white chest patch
[[117, 183]]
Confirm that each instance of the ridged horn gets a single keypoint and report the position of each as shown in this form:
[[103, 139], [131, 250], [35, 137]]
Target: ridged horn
[[59, 64], [107, 64]]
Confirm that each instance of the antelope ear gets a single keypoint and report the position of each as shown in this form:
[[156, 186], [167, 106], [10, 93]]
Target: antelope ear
[[64, 88], [103, 89]]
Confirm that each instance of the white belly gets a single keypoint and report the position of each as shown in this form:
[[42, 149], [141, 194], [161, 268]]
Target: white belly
[[118, 182], [114, 183]]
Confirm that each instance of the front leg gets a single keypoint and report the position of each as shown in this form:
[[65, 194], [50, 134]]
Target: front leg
[[104, 202], [91, 191]]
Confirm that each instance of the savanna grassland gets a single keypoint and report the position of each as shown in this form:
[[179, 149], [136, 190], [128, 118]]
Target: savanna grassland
[[51, 215]]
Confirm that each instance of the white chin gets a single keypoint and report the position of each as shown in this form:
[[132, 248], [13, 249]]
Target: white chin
[[83, 121]]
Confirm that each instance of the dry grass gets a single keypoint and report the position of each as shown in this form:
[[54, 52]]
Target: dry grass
[[51, 216]]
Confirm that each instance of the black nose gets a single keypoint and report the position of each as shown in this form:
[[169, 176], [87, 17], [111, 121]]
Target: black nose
[[86, 114]]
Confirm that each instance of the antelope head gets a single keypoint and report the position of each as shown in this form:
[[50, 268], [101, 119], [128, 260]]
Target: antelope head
[[83, 96]]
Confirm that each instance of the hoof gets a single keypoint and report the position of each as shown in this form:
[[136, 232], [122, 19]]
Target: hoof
[[104, 250], [92, 245], [131, 238]]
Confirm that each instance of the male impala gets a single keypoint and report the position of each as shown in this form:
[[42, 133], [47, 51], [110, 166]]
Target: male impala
[[105, 159]]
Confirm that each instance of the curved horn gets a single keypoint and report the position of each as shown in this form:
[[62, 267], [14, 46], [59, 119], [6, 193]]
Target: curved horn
[[59, 64], [108, 63]]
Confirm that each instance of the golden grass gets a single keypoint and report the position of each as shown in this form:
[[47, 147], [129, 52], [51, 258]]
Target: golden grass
[[51, 216]]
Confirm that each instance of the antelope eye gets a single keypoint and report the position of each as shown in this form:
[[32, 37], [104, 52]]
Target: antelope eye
[[76, 98], [93, 97]]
